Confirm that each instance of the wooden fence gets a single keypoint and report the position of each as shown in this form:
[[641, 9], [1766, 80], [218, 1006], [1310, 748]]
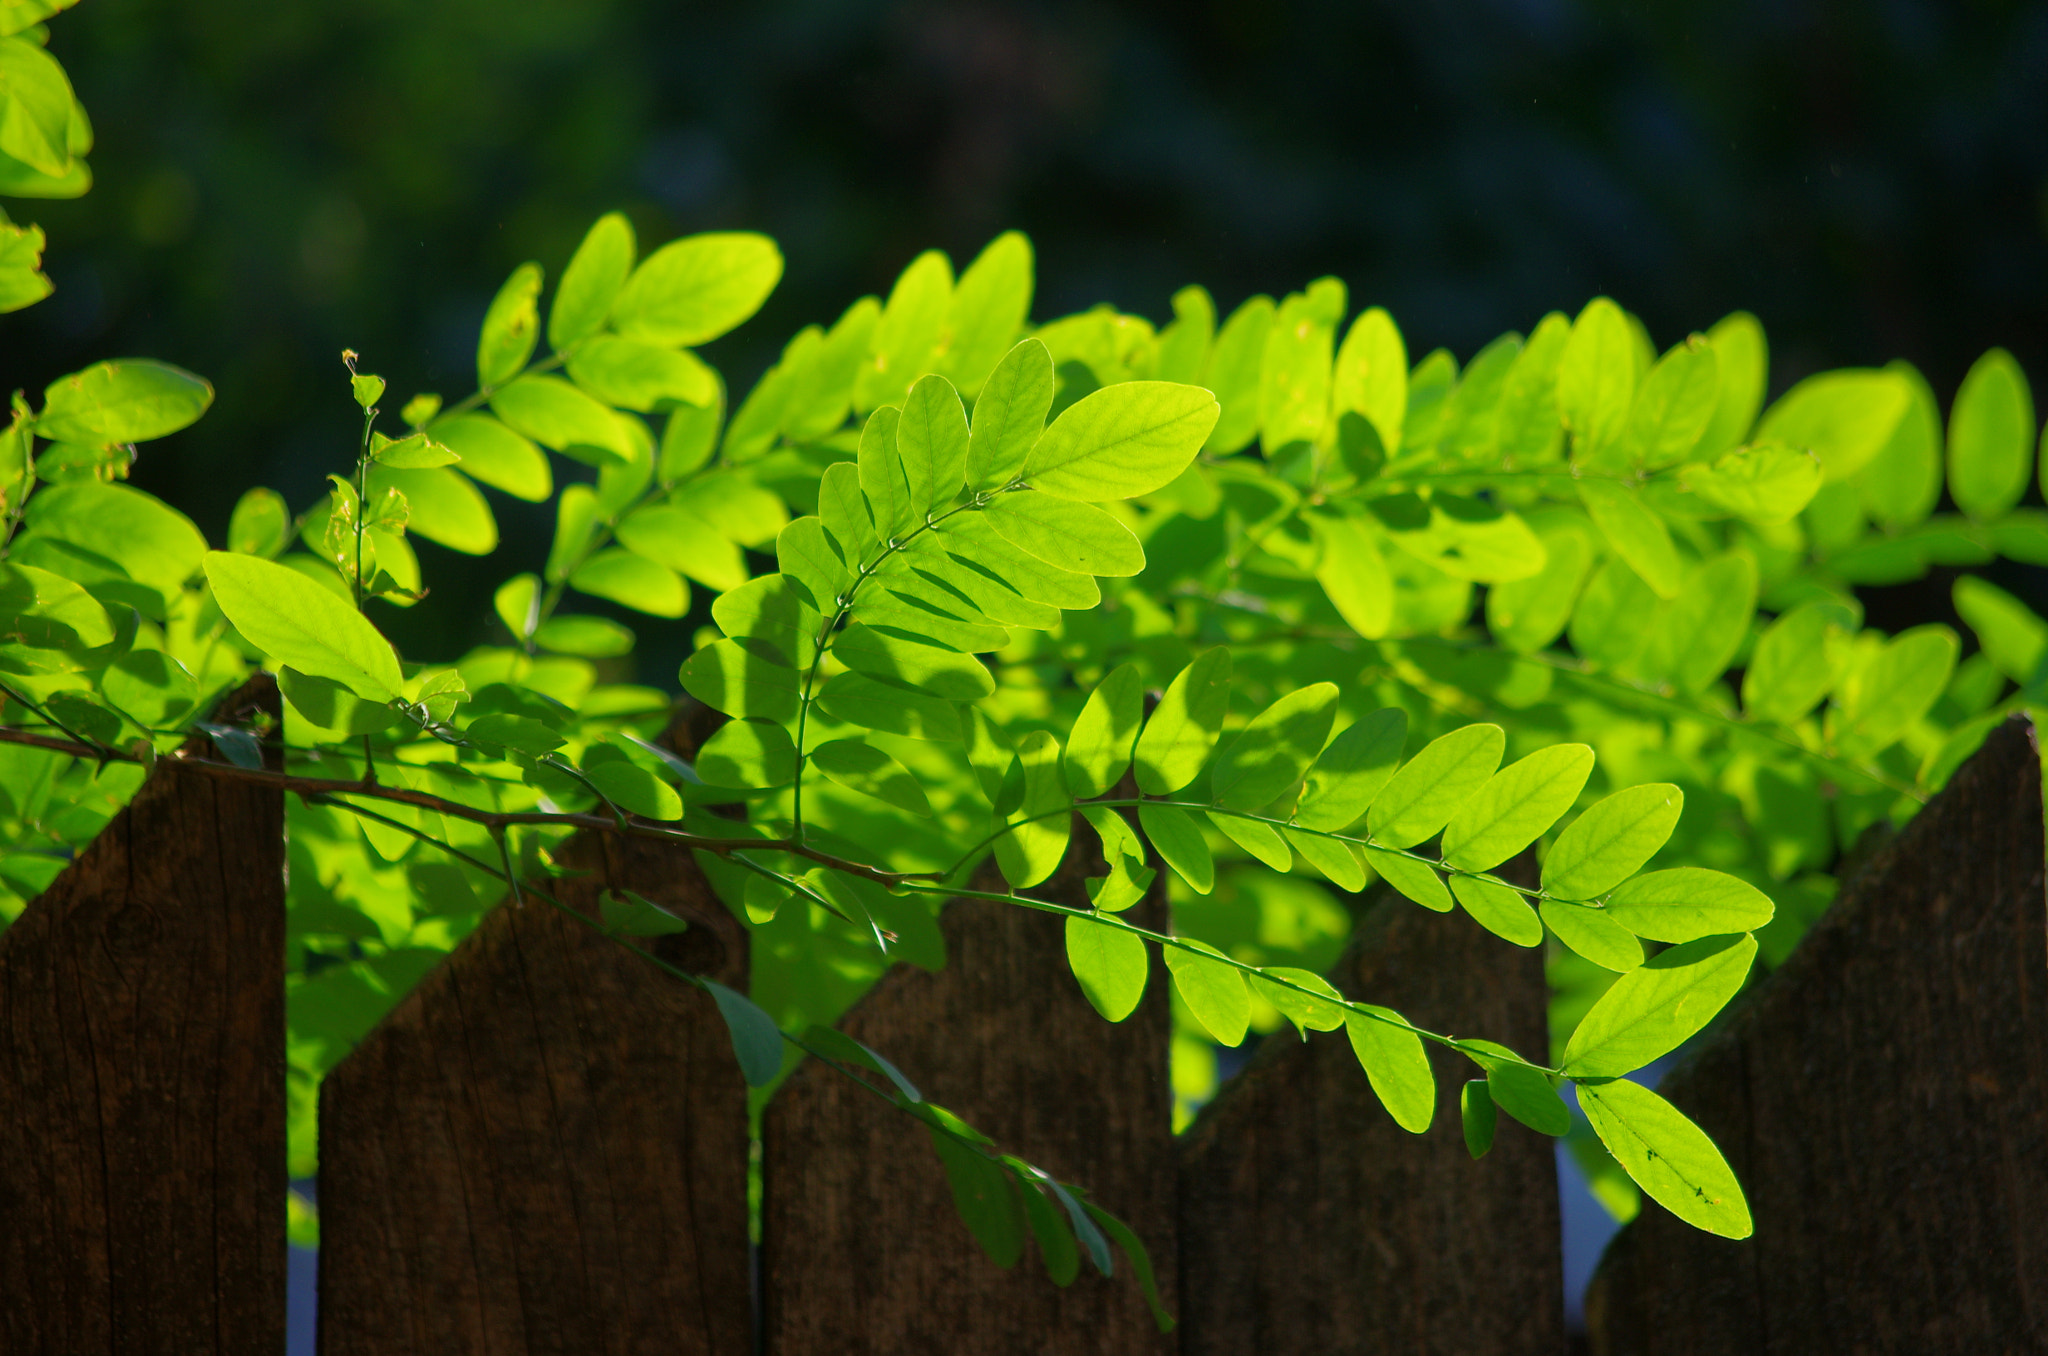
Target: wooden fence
[[543, 1149]]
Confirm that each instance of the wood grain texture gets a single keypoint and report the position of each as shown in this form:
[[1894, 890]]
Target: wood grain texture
[[543, 1149], [861, 1250], [1884, 1098], [142, 1172], [1310, 1221]]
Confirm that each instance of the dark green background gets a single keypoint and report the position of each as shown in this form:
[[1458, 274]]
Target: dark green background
[[280, 178]]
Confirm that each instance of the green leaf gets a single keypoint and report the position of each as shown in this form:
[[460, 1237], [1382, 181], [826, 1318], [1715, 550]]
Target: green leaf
[[1673, 406], [1395, 1064], [626, 914], [1610, 842], [1214, 992], [1354, 574], [987, 309], [1668, 1156], [150, 687], [596, 272], [1421, 798], [1099, 746], [511, 328], [1902, 483], [1415, 880], [1527, 614], [1182, 730], [1607, 627], [1742, 358], [1275, 749], [1636, 533], [1843, 417], [748, 754], [862, 768], [1294, 372], [906, 660], [1371, 376], [1596, 378], [507, 730], [1530, 429], [1307, 1011], [556, 414], [931, 444], [1519, 1089], [635, 375], [157, 545], [1066, 534], [633, 788], [36, 127], [756, 1040], [907, 337], [1110, 964], [1009, 416], [1591, 933], [1352, 770], [2013, 638], [126, 400], [985, 1196], [445, 507], [261, 524], [297, 622], [1031, 851], [1475, 1110], [1687, 903], [1516, 805], [1700, 632], [1656, 1007], [1233, 372], [1129, 879], [590, 637], [1991, 437], [1261, 840], [692, 290], [877, 704], [497, 456], [632, 581], [1334, 858], [1793, 665], [671, 535], [1056, 1245], [1497, 908], [1141, 1264], [728, 677], [969, 536], [1767, 482], [1897, 687], [413, 452], [882, 475], [1122, 441], [1178, 841]]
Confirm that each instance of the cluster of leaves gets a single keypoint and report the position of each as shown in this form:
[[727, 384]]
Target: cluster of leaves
[[1203, 586], [44, 138]]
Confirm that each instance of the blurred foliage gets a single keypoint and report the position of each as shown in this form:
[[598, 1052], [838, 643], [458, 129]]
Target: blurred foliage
[[279, 180]]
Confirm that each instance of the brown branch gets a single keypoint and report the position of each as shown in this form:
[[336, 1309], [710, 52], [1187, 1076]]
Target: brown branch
[[455, 809]]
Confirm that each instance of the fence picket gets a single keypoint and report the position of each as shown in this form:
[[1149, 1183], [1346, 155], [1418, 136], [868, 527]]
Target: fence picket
[[1884, 1098], [1310, 1221], [861, 1250], [142, 1178], [543, 1149]]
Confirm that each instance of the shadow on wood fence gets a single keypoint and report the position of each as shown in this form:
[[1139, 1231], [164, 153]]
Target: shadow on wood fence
[[543, 1149]]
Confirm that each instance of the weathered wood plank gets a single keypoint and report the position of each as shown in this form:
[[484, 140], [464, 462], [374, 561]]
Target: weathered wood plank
[[861, 1250], [1310, 1221], [543, 1149], [142, 1174], [1884, 1099]]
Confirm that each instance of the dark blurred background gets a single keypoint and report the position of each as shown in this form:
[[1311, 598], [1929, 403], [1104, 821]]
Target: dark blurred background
[[280, 178]]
